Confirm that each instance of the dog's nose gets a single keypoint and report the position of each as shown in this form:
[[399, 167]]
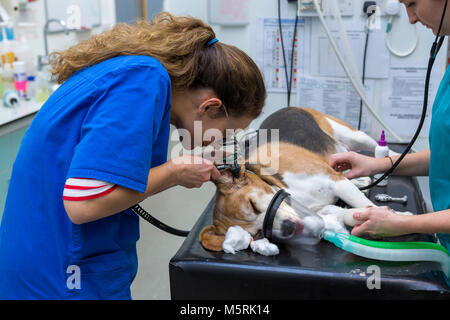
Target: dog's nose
[[290, 228]]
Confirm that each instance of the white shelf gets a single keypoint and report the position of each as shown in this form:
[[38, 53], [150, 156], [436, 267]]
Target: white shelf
[[23, 110]]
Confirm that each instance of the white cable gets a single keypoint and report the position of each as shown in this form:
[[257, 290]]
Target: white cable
[[4, 15], [356, 85], [333, 7], [392, 50]]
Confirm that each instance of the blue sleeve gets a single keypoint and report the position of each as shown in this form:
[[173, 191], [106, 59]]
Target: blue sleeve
[[121, 129]]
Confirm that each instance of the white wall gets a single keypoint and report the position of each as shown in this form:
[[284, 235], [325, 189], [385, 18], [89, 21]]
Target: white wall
[[245, 38]]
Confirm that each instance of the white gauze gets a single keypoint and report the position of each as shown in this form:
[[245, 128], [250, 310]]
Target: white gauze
[[236, 239], [264, 247]]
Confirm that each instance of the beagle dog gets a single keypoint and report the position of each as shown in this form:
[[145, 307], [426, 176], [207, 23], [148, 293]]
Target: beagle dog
[[305, 143]]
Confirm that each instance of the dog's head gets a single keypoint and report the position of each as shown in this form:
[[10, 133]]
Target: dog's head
[[243, 201]]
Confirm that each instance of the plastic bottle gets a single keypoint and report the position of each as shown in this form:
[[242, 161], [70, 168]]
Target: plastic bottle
[[381, 151], [1, 82], [8, 77], [9, 30], [20, 79], [8, 50], [42, 90], [10, 98], [2, 47], [31, 87], [23, 52]]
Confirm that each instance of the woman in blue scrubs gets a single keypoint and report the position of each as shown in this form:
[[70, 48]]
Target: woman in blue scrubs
[[99, 144], [433, 162]]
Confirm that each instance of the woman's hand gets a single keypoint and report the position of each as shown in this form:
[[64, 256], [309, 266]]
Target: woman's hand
[[358, 164], [193, 171], [379, 222]]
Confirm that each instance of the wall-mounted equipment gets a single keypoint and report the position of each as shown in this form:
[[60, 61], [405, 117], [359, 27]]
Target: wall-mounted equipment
[[306, 8], [229, 12]]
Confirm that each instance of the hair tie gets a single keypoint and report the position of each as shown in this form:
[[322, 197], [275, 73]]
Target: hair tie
[[211, 42]]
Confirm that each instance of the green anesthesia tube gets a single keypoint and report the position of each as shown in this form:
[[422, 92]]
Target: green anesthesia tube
[[391, 251]]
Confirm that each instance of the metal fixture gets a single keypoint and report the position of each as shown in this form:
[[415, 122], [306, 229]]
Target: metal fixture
[[387, 198], [43, 60]]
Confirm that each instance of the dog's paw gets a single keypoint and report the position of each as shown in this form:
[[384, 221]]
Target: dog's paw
[[333, 217], [348, 215]]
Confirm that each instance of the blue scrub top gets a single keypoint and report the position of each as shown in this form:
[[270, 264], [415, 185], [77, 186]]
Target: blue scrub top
[[439, 139], [108, 122]]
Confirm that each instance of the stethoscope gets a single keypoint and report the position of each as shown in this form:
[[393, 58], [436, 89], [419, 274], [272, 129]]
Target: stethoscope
[[435, 48], [281, 194]]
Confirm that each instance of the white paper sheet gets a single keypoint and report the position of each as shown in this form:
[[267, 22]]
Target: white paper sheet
[[336, 97], [270, 54], [403, 99], [326, 63]]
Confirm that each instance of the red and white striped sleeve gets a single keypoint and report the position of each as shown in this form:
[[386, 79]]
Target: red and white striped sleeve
[[78, 189]]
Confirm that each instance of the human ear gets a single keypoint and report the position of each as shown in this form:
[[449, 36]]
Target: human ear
[[210, 107]]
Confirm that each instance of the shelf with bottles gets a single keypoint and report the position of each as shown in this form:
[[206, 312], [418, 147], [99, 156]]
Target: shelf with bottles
[[22, 89]]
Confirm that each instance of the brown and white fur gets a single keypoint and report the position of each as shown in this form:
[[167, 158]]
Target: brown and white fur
[[307, 139]]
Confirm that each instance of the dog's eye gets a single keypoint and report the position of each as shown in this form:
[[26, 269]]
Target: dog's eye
[[254, 207]]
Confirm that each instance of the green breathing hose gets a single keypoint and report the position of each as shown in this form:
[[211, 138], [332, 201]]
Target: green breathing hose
[[391, 251]]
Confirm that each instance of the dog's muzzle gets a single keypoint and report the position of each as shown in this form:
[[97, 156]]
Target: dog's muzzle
[[288, 221]]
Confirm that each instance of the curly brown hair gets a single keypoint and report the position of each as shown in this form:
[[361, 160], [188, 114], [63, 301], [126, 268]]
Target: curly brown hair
[[179, 43]]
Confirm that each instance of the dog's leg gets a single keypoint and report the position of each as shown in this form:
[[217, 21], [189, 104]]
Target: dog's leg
[[335, 217], [350, 221], [353, 139], [350, 194]]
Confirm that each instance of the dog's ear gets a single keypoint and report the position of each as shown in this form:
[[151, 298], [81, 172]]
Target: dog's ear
[[227, 179], [210, 239]]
